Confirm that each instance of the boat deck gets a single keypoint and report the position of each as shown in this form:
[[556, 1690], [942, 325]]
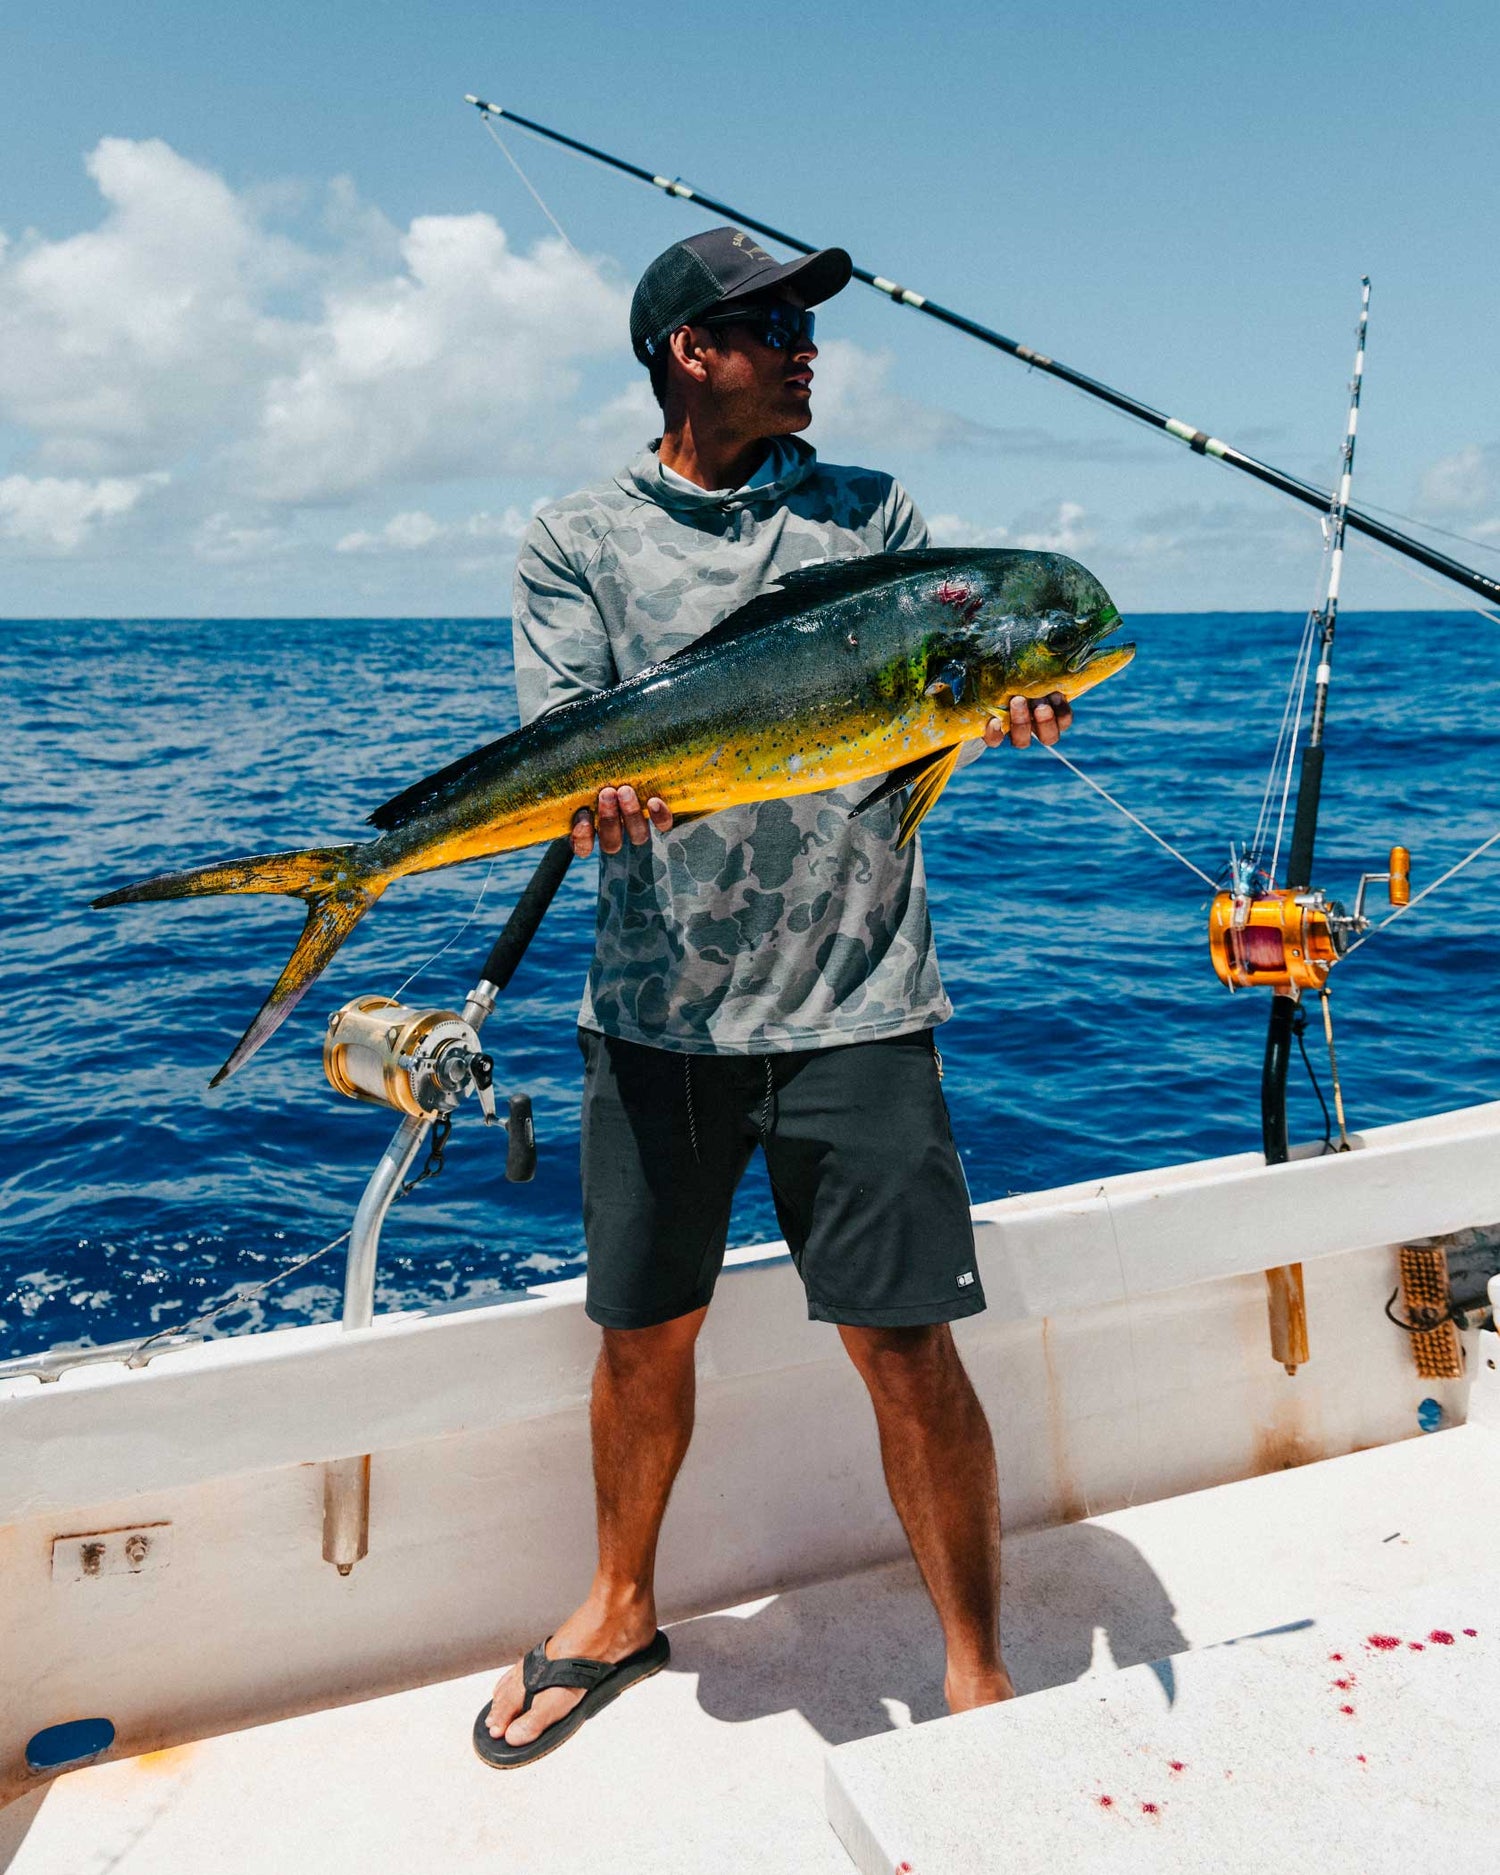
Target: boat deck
[[720, 1762]]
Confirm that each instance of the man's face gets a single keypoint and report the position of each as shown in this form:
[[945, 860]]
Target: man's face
[[758, 390]]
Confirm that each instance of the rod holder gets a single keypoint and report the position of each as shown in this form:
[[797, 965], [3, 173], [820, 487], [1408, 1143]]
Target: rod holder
[[346, 1481], [346, 1511], [1286, 1303]]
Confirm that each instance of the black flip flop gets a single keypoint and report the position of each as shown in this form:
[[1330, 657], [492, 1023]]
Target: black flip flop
[[603, 1681]]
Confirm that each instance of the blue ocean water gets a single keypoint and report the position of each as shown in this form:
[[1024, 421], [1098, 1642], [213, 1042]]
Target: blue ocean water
[[1090, 1036]]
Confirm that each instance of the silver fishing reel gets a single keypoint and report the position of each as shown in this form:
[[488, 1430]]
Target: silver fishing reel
[[419, 1061]]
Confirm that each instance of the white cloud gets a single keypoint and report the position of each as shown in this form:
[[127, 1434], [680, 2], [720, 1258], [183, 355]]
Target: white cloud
[[312, 381], [1465, 488], [57, 515], [856, 410], [185, 333], [226, 540], [416, 531], [125, 345], [463, 363], [1059, 527]]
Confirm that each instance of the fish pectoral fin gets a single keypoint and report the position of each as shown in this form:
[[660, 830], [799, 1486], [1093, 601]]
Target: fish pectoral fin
[[948, 682], [927, 776], [894, 782], [925, 791]]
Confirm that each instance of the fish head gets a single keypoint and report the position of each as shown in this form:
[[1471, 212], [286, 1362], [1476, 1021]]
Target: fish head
[[1033, 623]]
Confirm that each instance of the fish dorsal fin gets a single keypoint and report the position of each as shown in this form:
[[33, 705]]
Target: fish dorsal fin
[[431, 791], [805, 586], [926, 789], [856, 575]]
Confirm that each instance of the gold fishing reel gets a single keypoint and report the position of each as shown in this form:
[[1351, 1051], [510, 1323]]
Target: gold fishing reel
[[419, 1061], [1288, 941]]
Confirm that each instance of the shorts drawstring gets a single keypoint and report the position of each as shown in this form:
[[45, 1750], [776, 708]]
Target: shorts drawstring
[[767, 1105], [692, 1118]]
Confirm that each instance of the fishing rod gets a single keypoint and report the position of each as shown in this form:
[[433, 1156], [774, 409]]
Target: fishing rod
[[1284, 1004], [1287, 937], [1199, 441]]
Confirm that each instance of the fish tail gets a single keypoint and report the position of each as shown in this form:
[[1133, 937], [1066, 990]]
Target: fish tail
[[330, 880]]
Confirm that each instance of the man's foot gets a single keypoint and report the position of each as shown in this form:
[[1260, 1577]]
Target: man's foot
[[964, 1692], [595, 1635]]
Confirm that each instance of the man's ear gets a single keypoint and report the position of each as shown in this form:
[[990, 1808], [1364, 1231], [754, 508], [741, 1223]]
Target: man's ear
[[687, 348]]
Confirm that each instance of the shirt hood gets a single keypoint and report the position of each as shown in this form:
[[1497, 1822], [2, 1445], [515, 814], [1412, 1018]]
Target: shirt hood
[[792, 463]]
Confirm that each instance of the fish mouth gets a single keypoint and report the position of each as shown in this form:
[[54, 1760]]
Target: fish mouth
[[1093, 656], [1101, 664]]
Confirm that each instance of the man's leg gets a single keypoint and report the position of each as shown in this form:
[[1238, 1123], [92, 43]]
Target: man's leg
[[939, 1464], [641, 1419]]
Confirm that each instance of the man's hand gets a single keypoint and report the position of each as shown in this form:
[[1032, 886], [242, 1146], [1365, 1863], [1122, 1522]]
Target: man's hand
[[620, 815], [1048, 717]]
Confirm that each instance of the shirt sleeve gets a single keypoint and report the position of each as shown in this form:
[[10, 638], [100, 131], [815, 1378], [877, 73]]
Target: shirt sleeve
[[904, 526], [562, 649]]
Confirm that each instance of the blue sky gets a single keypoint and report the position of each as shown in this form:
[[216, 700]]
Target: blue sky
[[281, 332]]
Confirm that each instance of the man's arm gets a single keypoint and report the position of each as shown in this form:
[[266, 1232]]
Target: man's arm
[[562, 652]]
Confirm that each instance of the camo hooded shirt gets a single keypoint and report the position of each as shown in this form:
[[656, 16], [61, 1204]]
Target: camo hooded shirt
[[785, 925]]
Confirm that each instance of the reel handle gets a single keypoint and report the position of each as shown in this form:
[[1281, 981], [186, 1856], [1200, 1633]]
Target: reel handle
[[520, 1153]]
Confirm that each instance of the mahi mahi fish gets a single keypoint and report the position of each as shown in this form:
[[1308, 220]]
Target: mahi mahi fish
[[847, 670]]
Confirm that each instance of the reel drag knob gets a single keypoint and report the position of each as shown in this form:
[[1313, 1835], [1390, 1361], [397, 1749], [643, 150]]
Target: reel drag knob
[[482, 1074]]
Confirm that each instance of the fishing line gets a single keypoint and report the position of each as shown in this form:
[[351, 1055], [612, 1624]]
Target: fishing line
[[1438, 585], [489, 874], [531, 186], [1283, 755], [1426, 892], [1292, 709], [1181, 858], [1300, 679], [1262, 819], [1484, 546], [241, 1297], [1406, 566], [1310, 634]]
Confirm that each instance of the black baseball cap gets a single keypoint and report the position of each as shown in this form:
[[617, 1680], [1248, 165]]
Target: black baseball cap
[[723, 264]]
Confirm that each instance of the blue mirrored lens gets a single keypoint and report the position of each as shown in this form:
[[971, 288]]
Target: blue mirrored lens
[[782, 328]]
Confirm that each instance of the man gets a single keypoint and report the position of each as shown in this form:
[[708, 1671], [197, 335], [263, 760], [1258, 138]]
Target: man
[[764, 977]]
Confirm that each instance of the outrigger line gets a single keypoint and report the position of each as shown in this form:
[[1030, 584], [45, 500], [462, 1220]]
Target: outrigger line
[[1199, 441]]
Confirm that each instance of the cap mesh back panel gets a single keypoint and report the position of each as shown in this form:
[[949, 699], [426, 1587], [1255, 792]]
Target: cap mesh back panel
[[673, 290]]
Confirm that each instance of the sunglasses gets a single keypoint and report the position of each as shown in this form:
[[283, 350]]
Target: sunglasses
[[779, 326]]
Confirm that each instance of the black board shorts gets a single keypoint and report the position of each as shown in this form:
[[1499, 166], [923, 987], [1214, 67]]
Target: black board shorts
[[869, 1191]]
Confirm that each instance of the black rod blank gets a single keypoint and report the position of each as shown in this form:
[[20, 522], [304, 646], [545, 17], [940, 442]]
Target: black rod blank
[[1197, 440], [530, 909]]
